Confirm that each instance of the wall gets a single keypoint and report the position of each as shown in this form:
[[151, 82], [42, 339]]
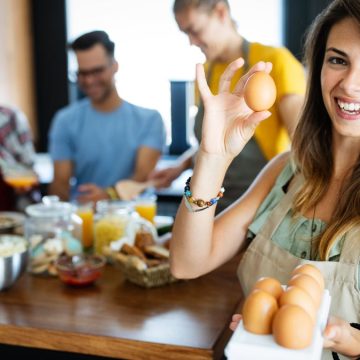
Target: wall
[[16, 61], [48, 21], [298, 15]]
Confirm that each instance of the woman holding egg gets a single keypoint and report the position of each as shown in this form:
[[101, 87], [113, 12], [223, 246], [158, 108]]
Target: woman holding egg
[[304, 206], [210, 26]]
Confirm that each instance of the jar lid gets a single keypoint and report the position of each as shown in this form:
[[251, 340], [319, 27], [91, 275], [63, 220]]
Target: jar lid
[[114, 206], [51, 207]]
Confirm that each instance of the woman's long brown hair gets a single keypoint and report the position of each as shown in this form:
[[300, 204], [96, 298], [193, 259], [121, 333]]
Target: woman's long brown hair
[[312, 144]]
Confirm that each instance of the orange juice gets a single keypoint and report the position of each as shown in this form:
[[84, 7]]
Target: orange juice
[[146, 209], [108, 229], [87, 216], [21, 181]]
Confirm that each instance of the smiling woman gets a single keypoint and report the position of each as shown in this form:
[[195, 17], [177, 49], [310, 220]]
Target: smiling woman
[[340, 78], [303, 207]]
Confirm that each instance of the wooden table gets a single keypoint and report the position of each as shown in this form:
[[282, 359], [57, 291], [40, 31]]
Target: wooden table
[[117, 319]]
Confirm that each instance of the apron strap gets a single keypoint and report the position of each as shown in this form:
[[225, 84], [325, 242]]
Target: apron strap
[[245, 54], [280, 211], [350, 252]]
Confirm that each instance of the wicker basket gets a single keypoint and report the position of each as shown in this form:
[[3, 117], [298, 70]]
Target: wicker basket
[[151, 277]]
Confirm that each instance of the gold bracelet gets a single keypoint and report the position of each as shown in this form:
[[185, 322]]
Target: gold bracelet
[[112, 193]]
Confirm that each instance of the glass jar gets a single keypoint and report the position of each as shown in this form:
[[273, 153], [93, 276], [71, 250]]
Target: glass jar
[[52, 229], [111, 223]]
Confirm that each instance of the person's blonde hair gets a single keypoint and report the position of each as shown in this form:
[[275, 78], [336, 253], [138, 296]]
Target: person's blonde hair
[[312, 144], [207, 5]]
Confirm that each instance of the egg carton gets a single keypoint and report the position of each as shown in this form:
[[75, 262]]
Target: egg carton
[[245, 345]]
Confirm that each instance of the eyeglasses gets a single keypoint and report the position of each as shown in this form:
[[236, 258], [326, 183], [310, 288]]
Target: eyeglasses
[[96, 72]]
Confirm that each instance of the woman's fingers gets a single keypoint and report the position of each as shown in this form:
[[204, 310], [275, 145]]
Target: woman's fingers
[[247, 128], [236, 318], [226, 77], [260, 66], [330, 336], [259, 116], [202, 83]]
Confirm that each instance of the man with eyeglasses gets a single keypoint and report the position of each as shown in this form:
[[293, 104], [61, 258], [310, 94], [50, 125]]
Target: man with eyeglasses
[[102, 138]]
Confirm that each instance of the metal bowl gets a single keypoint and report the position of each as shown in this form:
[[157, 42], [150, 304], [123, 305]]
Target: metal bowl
[[14, 257]]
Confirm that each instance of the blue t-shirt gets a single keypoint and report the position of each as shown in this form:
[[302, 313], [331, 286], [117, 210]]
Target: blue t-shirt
[[103, 145]]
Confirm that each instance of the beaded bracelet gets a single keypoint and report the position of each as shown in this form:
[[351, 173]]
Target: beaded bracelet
[[202, 204]]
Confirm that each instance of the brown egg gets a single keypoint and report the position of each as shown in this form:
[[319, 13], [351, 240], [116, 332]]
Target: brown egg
[[294, 295], [292, 327], [270, 285], [258, 311], [311, 270], [310, 285], [260, 91]]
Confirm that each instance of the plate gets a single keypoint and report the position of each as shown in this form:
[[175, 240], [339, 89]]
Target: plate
[[163, 223], [10, 220]]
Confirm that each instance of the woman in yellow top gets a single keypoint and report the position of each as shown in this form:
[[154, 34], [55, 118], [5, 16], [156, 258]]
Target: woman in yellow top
[[209, 26]]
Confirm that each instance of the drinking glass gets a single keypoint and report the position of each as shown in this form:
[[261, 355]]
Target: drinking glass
[[145, 206]]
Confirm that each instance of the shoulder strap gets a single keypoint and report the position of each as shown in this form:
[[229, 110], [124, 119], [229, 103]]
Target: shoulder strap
[[245, 46], [245, 53], [350, 252]]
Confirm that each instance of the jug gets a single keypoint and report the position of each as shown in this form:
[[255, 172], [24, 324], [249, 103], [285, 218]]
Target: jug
[[116, 223], [52, 229]]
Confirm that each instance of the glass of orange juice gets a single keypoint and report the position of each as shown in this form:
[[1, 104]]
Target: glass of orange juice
[[145, 206], [86, 213], [23, 178]]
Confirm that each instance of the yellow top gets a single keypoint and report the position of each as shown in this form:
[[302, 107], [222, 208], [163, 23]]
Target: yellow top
[[289, 76]]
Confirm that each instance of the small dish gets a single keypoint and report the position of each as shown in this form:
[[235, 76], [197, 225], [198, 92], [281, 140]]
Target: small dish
[[9, 220], [163, 224], [163, 221], [80, 270]]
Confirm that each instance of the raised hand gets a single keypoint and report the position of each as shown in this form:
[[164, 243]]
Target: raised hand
[[164, 177], [228, 122], [128, 189]]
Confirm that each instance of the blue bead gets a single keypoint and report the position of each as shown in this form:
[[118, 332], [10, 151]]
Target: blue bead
[[187, 193], [213, 201]]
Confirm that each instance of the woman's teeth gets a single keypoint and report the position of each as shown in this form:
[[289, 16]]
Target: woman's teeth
[[349, 107]]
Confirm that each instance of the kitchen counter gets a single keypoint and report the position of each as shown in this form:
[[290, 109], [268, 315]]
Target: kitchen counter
[[117, 319]]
